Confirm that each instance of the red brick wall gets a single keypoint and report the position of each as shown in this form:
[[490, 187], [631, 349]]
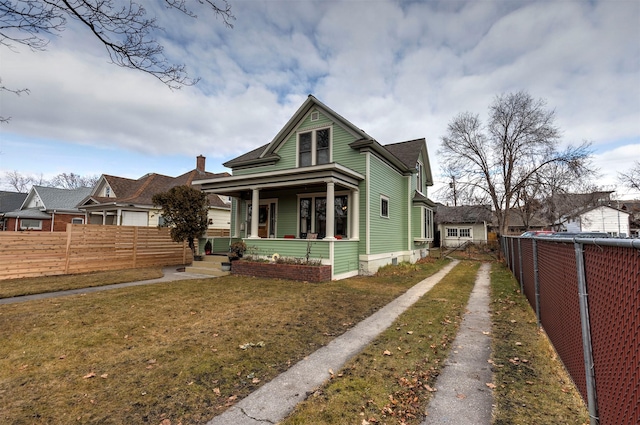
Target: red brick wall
[[282, 271], [59, 224]]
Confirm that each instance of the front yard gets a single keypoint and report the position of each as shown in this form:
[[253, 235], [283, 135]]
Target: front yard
[[180, 352], [183, 352]]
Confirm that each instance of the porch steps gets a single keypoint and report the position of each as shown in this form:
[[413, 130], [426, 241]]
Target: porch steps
[[211, 265]]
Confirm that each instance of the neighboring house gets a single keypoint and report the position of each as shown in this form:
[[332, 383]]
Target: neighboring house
[[603, 218], [9, 201], [48, 209], [516, 225], [127, 202], [325, 189], [467, 223], [633, 208]]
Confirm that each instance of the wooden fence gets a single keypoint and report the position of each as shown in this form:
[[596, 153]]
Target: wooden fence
[[86, 248]]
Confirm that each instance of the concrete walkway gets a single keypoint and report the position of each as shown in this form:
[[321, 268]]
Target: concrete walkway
[[276, 399], [170, 274], [463, 397]]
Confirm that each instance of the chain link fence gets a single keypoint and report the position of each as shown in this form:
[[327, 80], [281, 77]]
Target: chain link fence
[[586, 294]]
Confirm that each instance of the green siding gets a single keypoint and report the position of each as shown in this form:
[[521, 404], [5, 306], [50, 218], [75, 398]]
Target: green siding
[[345, 257], [387, 234], [341, 152]]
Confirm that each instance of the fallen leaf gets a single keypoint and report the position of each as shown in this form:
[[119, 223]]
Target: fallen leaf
[[461, 396], [89, 375], [216, 391], [62, 357], [23, 367], [491, 385], [165, 422], [518, 344], [410, 332], [104, 375], [386, 353], [255, 380], [430, 389]]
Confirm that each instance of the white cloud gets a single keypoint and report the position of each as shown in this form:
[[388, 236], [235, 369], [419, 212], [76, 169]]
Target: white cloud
[[399, 70]]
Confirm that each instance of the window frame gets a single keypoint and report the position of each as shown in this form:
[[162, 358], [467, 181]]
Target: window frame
[[427, 222], [420, 177], [452, 232], [77, 218], [314, 145], [466, 230], [313, 213], [384, 212], [22, 227]]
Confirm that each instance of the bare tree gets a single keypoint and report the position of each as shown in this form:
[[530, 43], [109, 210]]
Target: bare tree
[[123, 28], [18, 181], [501, 159], [631, 178], [73, 181]]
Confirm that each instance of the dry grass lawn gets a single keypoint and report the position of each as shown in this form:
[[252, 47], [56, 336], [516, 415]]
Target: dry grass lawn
[[532, 386], [38, 285], [178, 352]]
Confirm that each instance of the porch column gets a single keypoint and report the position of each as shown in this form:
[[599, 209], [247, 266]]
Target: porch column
[[119, 217], [255, 211], [238, 218], [355, 214], [331, 211], [104, 217]]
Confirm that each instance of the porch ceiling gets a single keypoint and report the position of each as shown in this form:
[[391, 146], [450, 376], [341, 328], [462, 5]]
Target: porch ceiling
[[299, 177]]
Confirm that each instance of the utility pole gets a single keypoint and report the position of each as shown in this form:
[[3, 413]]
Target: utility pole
[[452, 185]]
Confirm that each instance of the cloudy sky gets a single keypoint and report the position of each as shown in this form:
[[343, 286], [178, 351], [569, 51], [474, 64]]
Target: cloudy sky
[[399, 70]]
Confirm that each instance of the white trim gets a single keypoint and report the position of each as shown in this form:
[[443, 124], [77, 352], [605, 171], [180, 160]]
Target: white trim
[[344, 275], [368, 203], [409, 215]]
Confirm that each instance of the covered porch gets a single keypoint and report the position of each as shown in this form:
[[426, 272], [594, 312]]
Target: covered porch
[[310, 213]]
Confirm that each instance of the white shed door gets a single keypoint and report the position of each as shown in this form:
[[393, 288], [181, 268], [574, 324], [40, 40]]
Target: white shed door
[[135, 218]]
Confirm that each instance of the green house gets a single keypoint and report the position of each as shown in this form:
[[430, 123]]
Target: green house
[[325, 189]]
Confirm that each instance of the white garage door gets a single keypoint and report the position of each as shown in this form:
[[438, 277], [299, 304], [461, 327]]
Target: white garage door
[[135, 218]]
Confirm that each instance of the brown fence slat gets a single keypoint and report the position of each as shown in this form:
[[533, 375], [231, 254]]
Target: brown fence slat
[[85, 248]]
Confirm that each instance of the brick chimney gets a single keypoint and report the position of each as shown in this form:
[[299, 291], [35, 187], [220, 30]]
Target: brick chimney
[[200, 160]]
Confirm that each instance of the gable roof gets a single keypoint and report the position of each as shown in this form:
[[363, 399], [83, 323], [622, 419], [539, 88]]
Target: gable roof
[[10, 201], [409, 152], [266, 154], [54, 198], [464, 214], [140, 192], [403, 155]]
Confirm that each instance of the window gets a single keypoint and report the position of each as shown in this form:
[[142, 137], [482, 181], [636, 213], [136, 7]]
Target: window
[[428, 223], [465, 233], [77, 220], [322, 146], [315, 116], [29, 224], [419, 177], [305, 150], [384, 206], [315, 221], [305, 217], [314, 147], [452, 232], [341, 216]]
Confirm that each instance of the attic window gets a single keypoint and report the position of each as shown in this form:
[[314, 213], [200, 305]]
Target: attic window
[[315, 116], [107, 192]]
